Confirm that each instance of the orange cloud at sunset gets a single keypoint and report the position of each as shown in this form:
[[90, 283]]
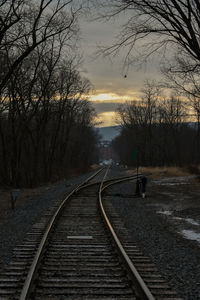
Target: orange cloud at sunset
[[107, 118], [111, 96], [106, 103]]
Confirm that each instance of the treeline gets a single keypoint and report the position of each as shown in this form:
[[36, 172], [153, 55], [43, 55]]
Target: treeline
[[46, 125], [165, 132]]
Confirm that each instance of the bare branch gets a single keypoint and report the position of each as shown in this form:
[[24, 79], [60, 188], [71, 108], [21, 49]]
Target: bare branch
[[24, 26]]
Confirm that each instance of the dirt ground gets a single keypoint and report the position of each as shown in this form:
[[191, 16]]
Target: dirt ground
[[177, 199], [25, 195], [174, 194]]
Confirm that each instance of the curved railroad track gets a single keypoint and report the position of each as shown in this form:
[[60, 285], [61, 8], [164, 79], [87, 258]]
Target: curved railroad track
[[78, 255]]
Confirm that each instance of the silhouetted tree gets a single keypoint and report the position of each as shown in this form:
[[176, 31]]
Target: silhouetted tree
[[158, 128], [158, 24], [43, 118], [25, 25]]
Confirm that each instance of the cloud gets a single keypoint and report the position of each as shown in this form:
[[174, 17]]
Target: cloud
[[106, 119], [105, 106], [107, 76], [118, 95], [106, 112]]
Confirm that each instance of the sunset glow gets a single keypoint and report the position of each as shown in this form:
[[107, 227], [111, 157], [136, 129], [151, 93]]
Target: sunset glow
[[107, 118], [111, 97], [105, 105], [104, 97]]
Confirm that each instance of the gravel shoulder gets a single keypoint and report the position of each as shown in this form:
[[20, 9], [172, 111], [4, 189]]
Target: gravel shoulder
[[166, 225], [29, 208]]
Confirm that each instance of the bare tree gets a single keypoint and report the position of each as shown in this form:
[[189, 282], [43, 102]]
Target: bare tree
[[157, 127], [45, 120], [24, 25], [186, 81], [155, 25], [173, 115]]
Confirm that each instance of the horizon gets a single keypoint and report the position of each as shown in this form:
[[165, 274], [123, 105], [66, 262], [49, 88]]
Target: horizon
[[112, 83]]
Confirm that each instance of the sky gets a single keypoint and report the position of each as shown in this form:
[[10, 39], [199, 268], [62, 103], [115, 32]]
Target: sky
[[106, 74]]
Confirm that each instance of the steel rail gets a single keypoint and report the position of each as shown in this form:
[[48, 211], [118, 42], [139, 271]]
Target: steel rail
[[120, 179], [143, 290], [34, 266], [26, 290]]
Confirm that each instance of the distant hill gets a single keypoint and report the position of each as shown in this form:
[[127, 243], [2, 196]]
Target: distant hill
[[109, 133]]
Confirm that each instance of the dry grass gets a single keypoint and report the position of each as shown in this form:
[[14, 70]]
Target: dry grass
[[162, 172]]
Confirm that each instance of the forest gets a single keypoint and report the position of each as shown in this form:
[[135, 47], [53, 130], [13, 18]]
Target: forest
[[46, 122], [165, 131]]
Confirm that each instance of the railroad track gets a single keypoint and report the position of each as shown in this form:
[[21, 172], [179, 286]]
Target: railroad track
[[77, 254]]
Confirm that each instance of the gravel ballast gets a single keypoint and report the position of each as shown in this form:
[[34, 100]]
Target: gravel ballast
[[15, 224], [177, 259]]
